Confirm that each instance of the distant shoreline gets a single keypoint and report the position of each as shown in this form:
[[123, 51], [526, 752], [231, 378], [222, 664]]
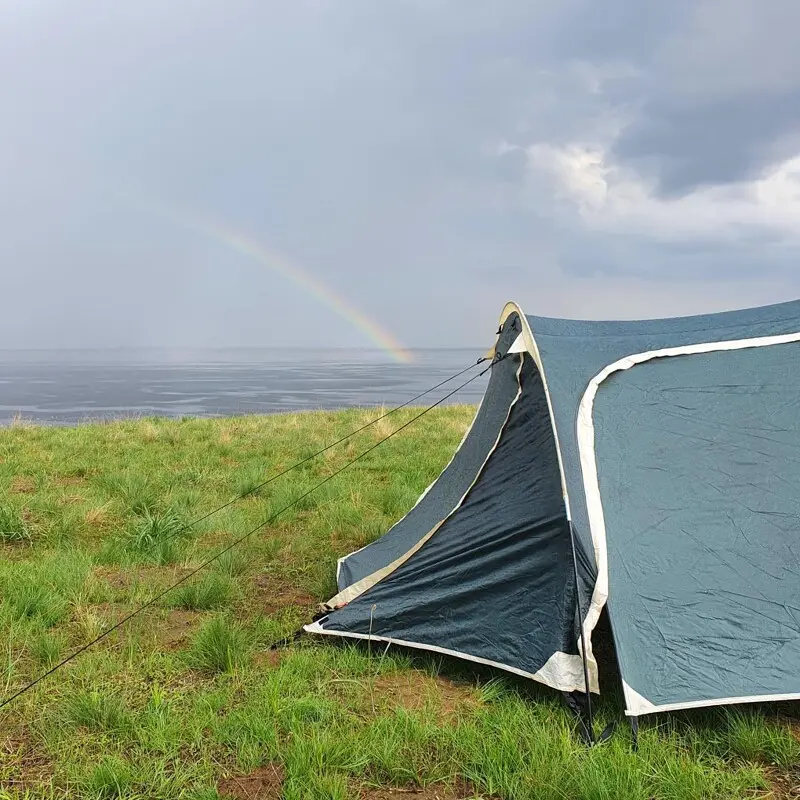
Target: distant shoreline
[[159, 419], [71, 393]]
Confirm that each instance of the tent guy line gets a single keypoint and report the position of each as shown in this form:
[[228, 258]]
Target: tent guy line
[[298, 464], [27, 687]]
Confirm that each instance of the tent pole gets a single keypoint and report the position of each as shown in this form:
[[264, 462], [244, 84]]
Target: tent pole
[[590, 720]]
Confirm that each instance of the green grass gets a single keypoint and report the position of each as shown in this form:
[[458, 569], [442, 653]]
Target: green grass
[[188, 693], [156, 537], [211, 591], [13, 529], [221, 645], [95, 711]]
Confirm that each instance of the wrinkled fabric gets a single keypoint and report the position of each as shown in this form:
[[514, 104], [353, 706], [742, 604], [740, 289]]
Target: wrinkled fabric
[[456, 479], [496, 580], [573, 352], [698, 462]]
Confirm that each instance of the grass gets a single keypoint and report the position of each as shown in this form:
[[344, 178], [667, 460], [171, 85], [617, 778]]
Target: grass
[[95, 710], [208, 592], [188, 694], [221, 645], [13, 529], [156, 537]]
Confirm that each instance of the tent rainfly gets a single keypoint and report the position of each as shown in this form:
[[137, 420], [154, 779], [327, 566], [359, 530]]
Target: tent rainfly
[[652, 467]]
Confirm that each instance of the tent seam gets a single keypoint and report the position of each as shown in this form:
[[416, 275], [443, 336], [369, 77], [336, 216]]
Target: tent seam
[[350, 593], [533, 349], [424, 494], [591, 481]]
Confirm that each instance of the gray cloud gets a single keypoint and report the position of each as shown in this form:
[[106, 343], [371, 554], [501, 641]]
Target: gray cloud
[[720, 101], [382, 146]]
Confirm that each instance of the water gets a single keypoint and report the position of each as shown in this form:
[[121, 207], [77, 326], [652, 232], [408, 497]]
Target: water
[[71, 386]]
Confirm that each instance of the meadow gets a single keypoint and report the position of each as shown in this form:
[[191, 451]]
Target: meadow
[[188, 700]]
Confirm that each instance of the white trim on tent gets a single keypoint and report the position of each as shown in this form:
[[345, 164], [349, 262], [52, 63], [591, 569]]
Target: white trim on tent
[[636, 705], [594, 504], [350, 593], [533, 348], [563, 671], [519, 345]]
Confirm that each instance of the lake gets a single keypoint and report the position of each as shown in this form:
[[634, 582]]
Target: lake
[[68, 387]]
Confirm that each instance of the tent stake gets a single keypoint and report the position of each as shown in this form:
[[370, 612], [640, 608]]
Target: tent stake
[[635, 733], [590, 719]]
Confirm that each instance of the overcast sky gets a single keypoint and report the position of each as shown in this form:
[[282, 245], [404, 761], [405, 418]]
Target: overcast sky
[[426, 160]]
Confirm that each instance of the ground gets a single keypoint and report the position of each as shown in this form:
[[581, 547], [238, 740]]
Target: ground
[[188, 700]]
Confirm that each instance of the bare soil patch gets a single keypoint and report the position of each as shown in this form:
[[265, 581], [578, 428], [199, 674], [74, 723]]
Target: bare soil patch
[[415, 690], [170, 629], [14, 551], [126, 578], [23, 484], [177, 627], [70, 480], [269, 658], [97, 517], [264, 783], [22, 764], [784, 785], [116, 578], [72, 499], [272, 595]]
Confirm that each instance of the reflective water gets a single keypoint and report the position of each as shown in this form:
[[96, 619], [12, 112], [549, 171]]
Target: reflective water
[[68, 387]]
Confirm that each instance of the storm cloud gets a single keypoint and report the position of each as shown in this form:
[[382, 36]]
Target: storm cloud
[[425, 159]]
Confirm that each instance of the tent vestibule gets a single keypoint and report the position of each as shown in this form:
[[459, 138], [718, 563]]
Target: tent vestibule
[[661, 458]]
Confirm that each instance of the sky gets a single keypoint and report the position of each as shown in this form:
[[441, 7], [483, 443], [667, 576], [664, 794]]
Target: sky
[[358, 173]]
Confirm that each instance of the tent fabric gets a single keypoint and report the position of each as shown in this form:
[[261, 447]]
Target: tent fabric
[[670, 449], [496, 581], [706, 574], [444, 494]]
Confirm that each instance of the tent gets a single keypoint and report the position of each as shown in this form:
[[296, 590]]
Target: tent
[[652, 467]]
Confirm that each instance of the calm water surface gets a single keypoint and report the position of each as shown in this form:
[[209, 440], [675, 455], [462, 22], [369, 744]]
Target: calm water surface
[[70, 386]]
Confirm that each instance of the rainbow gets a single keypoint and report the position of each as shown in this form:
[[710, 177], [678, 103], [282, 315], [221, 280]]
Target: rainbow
[[248, 246]]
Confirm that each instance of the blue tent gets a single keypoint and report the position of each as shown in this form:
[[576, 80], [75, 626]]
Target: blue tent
[[650, 467]]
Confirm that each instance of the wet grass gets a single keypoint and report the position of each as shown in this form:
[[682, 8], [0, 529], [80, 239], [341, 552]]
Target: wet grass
[[92, 524]]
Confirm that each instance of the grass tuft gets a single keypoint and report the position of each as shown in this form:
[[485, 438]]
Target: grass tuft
[[46, 648], [248, 483], [219, 646], [111, 778], [36, 602], [157, 537], [13, 528], [132, 489], [212, 591], [750, 737], [494, 690], [96, 710], [233, 563]]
